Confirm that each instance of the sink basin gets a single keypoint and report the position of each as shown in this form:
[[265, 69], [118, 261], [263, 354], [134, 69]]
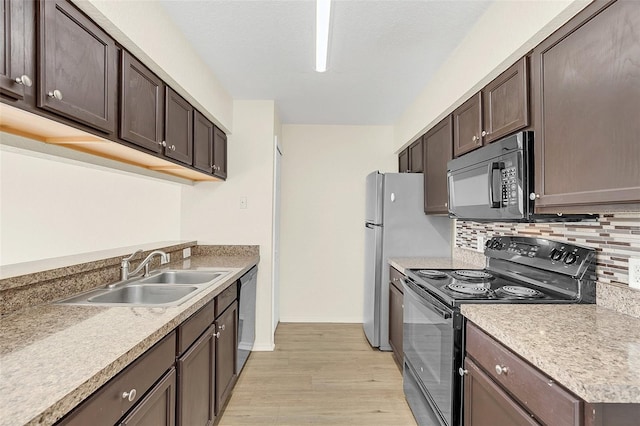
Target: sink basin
[[162, 288], [182, 277], [144, 294]]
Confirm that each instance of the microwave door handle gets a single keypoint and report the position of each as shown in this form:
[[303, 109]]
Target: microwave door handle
[[491, 169]]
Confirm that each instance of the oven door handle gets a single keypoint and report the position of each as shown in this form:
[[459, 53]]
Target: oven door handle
[[434, 304]]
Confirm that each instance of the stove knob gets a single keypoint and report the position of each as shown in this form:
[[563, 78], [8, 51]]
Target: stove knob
[[488, 243], [556, 254], [571, 258]]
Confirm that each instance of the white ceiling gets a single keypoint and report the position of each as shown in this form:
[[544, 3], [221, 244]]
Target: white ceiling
[[382, 53]]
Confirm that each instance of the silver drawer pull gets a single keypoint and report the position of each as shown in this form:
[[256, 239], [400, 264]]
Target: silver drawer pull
[[130, 396], [462, 371], [217, 335], [56, 94], [501, 369], [24, 80], [221, 327]]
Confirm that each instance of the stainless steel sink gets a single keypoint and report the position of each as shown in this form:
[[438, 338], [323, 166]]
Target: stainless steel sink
[[144, 294], [163, 288], [182, 277]]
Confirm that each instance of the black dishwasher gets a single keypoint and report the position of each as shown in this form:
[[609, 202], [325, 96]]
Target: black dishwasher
[[246, 316]]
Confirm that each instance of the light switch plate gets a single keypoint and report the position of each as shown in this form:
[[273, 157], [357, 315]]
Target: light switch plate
[[163, 262], [634, 273], [186, 252]]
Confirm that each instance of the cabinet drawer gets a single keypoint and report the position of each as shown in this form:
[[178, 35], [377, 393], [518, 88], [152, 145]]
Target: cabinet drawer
[[107, 405], [192, 328], [395, 278], [540, 394], [226, 298]]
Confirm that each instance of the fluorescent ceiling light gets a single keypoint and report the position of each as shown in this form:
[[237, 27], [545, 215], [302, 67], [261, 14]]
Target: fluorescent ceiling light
[[323, 13]]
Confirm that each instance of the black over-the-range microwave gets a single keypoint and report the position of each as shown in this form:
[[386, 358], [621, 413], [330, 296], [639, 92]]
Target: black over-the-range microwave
[[495, 183]]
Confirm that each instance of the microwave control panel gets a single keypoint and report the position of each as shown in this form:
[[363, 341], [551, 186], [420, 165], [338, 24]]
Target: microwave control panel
[[509, 184]]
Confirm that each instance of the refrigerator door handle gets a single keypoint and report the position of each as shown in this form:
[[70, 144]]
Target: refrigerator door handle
[[371, 225]]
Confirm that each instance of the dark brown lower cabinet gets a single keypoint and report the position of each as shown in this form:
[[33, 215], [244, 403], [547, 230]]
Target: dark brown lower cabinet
[[226, 350], [485, 403], [196, 381], [396, 311], [158, 408]]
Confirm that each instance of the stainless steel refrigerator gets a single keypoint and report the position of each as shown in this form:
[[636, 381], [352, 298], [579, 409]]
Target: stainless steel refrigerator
[[395, 226]]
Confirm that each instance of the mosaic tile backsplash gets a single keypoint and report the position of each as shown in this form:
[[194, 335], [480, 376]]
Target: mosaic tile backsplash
[[616, 237]]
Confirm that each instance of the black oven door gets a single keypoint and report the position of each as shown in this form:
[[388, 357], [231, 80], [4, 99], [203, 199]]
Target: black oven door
[[432, 351]]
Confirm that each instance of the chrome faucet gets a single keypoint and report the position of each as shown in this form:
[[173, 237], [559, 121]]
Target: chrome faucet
[[125, 274]]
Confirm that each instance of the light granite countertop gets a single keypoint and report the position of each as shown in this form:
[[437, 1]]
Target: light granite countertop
[[403, 263], [592, 351], [54, 356]]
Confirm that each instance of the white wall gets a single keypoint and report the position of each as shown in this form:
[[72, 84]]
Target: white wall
[[146, 29], [211, 211], [51, 207], [323, 203], [506, 32]]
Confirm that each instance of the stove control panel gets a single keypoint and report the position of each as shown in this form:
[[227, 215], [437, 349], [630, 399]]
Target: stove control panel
[[546, 254]]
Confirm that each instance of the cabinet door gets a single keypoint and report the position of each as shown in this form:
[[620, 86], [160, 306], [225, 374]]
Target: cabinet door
[[178, 128], [12, 50], [403, 161], [77, 67], [219, 154], [396, 310], [141, 104], [485, 403], [415, 156], [158, 407], [506, 102], [196, 381], [467, 126], [587, 102], [438, 146], [203, 140], [226, 350]]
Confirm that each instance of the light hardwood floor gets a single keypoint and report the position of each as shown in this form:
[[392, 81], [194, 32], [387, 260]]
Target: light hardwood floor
[[319, 374]]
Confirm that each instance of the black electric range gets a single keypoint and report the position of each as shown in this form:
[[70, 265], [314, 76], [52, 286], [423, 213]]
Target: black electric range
[[519, 270]]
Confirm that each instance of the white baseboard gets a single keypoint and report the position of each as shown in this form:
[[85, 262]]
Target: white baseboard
[[347, 320], [269, 347]]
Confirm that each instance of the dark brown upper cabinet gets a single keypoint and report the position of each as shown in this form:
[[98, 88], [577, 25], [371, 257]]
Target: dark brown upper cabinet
[[438, 143], [178, 121], [203, 131], [78, 67], [410, 159], [141, 104], [403, 161], [219, 154], [13, 78], [467, 125], [586, 97], [506, 103], [501, 108], [415, 156]]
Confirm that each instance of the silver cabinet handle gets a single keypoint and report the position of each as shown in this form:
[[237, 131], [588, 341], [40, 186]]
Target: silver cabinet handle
[[130, 396], [484, 133], [533, 196], [163, 143], [462, 371], [173, 147], [55, 94], [474, 138], [217, 335], [24, 80], [221, 327], [501, 369]]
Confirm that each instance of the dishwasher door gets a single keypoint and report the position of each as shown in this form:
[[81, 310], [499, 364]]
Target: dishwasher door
[[246, 316]]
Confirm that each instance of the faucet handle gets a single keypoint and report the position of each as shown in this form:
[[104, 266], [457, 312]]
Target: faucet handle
[[128, 258]]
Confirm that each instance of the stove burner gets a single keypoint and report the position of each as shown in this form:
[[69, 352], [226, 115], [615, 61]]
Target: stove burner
[[520, 291], [430, 273], [473, 275], [473, 289]]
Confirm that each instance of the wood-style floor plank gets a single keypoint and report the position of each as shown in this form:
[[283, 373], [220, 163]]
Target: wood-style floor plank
[[319, 374]]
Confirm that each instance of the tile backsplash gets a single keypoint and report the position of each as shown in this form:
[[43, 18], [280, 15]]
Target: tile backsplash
[[616, 237]]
